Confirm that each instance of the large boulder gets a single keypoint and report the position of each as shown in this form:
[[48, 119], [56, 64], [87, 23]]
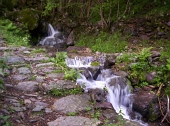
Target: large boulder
[[145, 103]]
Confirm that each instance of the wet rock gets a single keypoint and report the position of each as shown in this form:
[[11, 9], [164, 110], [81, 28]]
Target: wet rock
[[117, 80], [27, 86], [97, 94], [74, 121], [110, 61], [24, 70], [72, 103], [70, 39], [15, 59], [90, 73], [143, 101], [121, 73], [59, 84], [104, 105]]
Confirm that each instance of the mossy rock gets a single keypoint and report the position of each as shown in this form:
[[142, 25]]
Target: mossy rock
[[154, 112], [28, 18], [8, 4]]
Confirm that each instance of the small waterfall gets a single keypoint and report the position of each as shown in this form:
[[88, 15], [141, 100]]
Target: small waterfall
[[118, 91], [118, 94], [54, 37]]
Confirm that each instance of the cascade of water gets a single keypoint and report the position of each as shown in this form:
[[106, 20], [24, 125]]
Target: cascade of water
[[51, 30], [118, 91], [119, 97], [78, 62], [54, 37]]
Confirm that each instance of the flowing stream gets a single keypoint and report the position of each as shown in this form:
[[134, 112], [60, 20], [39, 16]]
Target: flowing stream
[[118, 91], [54, 37]]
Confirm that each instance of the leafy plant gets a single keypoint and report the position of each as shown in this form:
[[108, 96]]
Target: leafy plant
[[3, 65], [95, 63], [59, 60], [71, 74], [50, 5], [88, 108], [64, 92], [39, 50], [13, 34], [5, 120], [71, 114], [96, 114]]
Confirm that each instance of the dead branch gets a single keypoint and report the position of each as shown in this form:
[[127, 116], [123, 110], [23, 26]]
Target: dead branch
[[167, 112], [159, 90]]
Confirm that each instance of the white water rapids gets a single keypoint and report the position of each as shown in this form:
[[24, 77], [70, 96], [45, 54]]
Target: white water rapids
[[118, 96], [118, 91]]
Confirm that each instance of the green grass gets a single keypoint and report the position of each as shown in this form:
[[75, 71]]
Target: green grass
[[103, 42], [12, 34], [63, 92], [38, 50]]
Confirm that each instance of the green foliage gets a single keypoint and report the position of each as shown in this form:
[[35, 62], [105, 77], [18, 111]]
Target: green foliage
[[144, 54], [138, 65], [71, 114], [95, 64], [88, 108], [50, 5], [5, 120], [12, 34], [64, 92], [59, 61], [71, 74], [39, 50], [96, 114], [3, 65], [168, 64], [103, 42]]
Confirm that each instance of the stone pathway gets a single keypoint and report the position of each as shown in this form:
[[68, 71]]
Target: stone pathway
[[27, 102]]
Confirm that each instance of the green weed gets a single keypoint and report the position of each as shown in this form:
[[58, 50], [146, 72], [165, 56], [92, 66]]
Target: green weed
[[39, 50], [5, 120], [64, 92], [12, 34], [103, 42], [71, 114]]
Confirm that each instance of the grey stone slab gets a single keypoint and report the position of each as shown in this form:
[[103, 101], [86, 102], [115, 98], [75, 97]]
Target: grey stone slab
[[74, 121], [72, 103], [27, 86]]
